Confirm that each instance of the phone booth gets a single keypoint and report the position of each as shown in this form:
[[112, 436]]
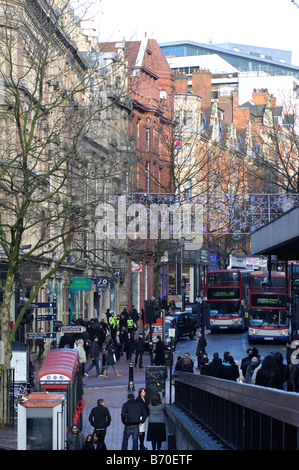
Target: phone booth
[[61, 373], [42, 422]]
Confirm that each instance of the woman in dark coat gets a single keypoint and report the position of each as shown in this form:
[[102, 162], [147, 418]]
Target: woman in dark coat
[[156, 422], [110, 359], [268, 375], [143, 428], [160, 352], [283, 371], [88, 445], [129, 346]]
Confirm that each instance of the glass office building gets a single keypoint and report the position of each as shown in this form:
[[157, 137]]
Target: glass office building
[[243, 57]]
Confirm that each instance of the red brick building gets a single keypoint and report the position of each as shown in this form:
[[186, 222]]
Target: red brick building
[[151, 89]]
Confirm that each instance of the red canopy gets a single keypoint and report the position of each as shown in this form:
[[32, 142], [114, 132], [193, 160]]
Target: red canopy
[[59, 365]]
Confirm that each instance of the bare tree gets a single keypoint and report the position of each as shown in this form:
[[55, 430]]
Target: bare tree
[[275, 148], [53, 170]]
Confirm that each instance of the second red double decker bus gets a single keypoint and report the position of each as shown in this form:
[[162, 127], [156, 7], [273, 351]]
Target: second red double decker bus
[[226, 293], [268, 319]]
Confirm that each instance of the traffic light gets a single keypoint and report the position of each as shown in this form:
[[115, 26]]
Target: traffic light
[[149, 310]]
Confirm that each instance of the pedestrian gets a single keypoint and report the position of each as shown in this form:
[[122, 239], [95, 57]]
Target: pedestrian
[[246, 359], [100, 332], [129, 346], [79, 346], [283, 371], [142, 398], [134, 314], [186, 364], [111, 359], [267, 375], [40, 342], [122, 321], [88, 444], [95, 441], [139, 350], [205, 367], [131, 325], [95, 357], [178, 363], [160, 352], [200, 349], [100, 419], [156, 421], [113, 322], [123, 335], [117, 343], [254, 363], [66, 340], [133, 414], [225, 355], [103, 320], [125, 313], [31, 375], [245, 362], [75, 438], [228, 369], [214, 365]]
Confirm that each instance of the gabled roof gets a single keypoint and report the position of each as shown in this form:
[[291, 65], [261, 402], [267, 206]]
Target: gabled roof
[[145, 53]]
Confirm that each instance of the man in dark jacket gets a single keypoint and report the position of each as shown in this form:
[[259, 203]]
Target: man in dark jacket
[[200, 349], [214, 366], [139, 350], [95, 357], [229, 369], [100, 419], [186, 364], [133, 414]]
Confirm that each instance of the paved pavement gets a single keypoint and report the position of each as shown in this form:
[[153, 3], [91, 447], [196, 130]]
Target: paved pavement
[[113, 390]]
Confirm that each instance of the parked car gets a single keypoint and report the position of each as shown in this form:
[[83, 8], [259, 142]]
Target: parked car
[[185, 324]]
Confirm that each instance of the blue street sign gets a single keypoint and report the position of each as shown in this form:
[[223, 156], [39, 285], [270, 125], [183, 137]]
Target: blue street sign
[[102, 282], [71, 329], [42, 305], [40, 335], [45, 317]]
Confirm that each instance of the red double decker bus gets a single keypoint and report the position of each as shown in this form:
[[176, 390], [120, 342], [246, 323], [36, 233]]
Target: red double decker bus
[[293, 272], [268, 318], [227, 293]]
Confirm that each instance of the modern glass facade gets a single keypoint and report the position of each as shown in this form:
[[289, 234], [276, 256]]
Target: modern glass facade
[[243, 62]]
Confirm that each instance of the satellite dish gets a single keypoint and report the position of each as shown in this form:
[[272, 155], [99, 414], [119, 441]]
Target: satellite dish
[[295, 353]]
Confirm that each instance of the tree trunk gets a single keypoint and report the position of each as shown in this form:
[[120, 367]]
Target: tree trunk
[[5, 319]]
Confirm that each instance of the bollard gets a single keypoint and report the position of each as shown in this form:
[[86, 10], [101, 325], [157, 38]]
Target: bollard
[[131, 387]]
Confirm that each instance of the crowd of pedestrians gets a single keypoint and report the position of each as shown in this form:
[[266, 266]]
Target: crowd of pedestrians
[[105, 339], [269, 371], [143, 421], [114, 336]]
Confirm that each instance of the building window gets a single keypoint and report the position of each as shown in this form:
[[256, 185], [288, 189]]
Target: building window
[[147, 139], [147, 172], [137, 136]]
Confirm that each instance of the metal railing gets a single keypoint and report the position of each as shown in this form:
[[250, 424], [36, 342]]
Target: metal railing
[[242, 416]]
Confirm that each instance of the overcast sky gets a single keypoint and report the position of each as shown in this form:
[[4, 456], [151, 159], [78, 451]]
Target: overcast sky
[[266, 23]]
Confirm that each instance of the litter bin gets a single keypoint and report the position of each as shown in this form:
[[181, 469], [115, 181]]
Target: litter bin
[[155, 379]]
